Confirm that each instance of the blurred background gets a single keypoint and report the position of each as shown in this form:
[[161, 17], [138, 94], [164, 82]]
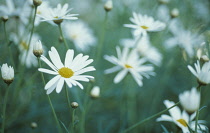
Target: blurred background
[[27, 98]]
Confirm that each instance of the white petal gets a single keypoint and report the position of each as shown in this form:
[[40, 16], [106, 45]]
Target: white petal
[[52, 82], [87, 69], [120, 76], [60, 85], [113, 69], [48, 63], [68, 83], [55, 58], [165, 118], [48, 71], [69, 58]]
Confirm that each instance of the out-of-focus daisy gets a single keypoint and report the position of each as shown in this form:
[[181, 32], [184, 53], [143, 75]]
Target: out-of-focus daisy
[[163, 13], [69, 72], [95, 92], [181, 119], [202, 74], [44, 8], [7, 73], [129, 62], [81, 35], [143, 24], [183, 38], [144, 49], [58, 14], [190, 100]]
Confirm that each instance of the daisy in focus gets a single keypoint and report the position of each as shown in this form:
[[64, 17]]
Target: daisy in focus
[[129, 62], [58, 14], [143, 24], [181, 119], [202, 74], [69, 72], [144, 48], [80, 34]]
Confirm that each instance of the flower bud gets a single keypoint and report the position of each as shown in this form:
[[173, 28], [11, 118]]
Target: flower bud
[[74, 105], [95, 92], [7, 73], [163, 1], [34, 125], [108, 5], [190, 100], [37, 49], [174, 13], [37, 2], [4, 18], [204, 58]]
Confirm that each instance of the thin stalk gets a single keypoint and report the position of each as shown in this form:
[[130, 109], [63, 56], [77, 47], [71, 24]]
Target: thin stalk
[[67, 96], [149, 118], [50, 102], [8, 45], [73, 113], [61, 33], [4, 110], [197, 111], [101, 41]]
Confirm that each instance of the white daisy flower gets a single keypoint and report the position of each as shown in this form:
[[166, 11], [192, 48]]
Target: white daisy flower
[[183, 38], [190, 100], [95, 92], [58, 14], [42, 9], [7, 73], [81, 35], [129, 62], [181, 119], [144, 48], [202, 74], [69, 72], [143, 24]]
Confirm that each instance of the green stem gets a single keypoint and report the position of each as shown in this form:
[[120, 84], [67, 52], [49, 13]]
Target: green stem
[[54, 114], [4, 110], [197, 111], [67, 96], [101, 41], [73, 113], [8, 45], [149, 118], [61, 33]]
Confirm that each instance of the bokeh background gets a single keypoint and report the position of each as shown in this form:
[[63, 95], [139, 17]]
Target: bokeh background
[[103, 115]]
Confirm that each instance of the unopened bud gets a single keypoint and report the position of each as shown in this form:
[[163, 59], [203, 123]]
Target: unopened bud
[[163, 1], [4, 18], [174, 13], [37, 2], [34, 125], [37, 49], [204, 58], [59, 21], [108, 5], [7, 73], [95, 92], [74, 105]]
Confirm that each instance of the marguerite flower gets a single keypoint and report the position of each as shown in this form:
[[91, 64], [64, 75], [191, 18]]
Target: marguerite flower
[[58, 14], [69, 72], [202, 74], [144, 48], [81, 35], [183, 120], [129, 62], [143, 24], [190, 100], [7, 73]]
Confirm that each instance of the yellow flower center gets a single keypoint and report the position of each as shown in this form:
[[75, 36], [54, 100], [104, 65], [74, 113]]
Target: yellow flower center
[[66, 72], [74, 36], [24, 45], [128, 66], [183, 122], [56, 17], [144, 27], [39, 12]]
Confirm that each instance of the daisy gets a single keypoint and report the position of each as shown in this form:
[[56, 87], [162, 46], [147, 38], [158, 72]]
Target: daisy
[[69, 72], [181, 119], [144, 48], [58, 14], [183, 38], [143, 24], [7, 73], [190, 100], [202, 74], [80, 34], [129, 62]]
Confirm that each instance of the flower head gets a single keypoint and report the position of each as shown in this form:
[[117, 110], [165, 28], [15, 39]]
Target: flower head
[[69, 72], [181, 119], [108, 5], [202, 74], [37, 49], [58, 14], [80, 34], [95, 92], [143, 24], [7, 73], [129, 62], [190, 100]]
